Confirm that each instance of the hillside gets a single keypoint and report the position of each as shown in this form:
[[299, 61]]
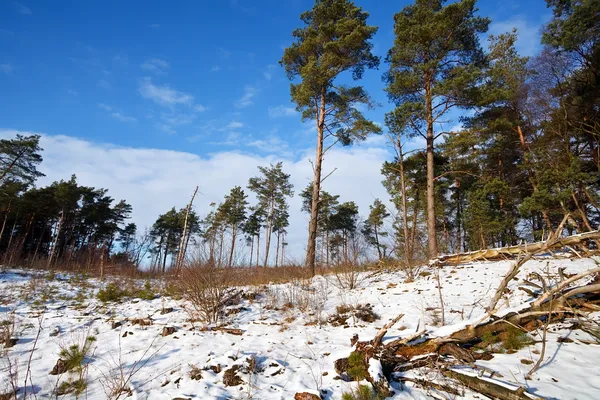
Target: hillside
[[289, 337]]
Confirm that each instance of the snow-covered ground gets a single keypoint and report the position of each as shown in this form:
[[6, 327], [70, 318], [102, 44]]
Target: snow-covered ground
[[292, 351]]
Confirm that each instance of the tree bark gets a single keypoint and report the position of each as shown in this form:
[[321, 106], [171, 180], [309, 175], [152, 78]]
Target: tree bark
[[55, 239], [277, 249], [233, 237], [314, 209], [269, 230], [183, 242], [431, 220]]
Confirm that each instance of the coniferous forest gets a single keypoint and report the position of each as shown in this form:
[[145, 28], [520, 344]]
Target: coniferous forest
[[523, 155]]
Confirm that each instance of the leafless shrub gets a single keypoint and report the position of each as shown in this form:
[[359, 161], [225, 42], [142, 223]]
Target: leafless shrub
[[205, 287], [7, 331], [360, 312], [348, 277]]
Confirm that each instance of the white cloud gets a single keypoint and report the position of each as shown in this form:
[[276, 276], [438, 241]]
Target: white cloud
[[168, 177], [6, 68], [246, 100], [529, 32], [268, 72], [282, 111], [116, 114], [215, 68], [156, 66], [21, 8], [123, 118], [200, 108], [73, 92], [165, 128], [163, 95], [235, 125], [271, 145]]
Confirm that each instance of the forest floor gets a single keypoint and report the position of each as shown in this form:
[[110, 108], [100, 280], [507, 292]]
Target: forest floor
[[291, 335]]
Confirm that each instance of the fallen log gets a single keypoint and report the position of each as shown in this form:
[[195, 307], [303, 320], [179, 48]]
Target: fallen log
[[231, 331], [512, 251], [491, 389]]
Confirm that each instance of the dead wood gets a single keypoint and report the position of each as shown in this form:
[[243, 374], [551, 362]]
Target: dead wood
[[231, 331], [489, 388], [433, 385], [512, 251]]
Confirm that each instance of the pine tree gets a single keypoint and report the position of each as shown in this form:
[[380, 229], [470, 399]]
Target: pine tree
[[335, 39], [234, 211], [271, 189], [435, 65], [19, 158], [372, 227]]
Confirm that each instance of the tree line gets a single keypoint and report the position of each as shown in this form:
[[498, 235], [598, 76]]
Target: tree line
[[522, 155], [525, 153]]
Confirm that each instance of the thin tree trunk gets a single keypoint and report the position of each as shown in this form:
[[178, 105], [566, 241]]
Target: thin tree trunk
[[55, 239], [221, 247], [431, 228], [4, 223], [277, 250], [269, 230], [183, 242], [164, 263], [377, 243], [233, 237], [327, 259], [283, 250], [10, 238], [257, 247], [314, 209], [408, 244], [251, 249]]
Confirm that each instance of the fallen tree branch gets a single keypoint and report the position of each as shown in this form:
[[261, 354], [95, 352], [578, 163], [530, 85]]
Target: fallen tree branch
[[511, 251], [490, 388]]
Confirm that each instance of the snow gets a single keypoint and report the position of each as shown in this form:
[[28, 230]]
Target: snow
[[293, 353]]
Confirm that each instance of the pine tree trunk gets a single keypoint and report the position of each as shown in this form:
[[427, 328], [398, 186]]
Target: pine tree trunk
[[431, 229], [251, 249], [277, 250], [164, 263], [257, 247], [55, 239], [221, 247], [183, 242], [458, 218], [233, 237], [269, 230], [314, 209], [408, 239], [283, 250], [4, 223], [326, 248], [377, 243], [10, 238]]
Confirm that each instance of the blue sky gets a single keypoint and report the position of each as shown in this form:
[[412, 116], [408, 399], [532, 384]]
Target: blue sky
[[121, 89], [198, 76]]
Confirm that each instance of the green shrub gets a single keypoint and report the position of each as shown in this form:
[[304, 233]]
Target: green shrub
[[147, 293], [363, 392], [76, 387], [514, 339], [357, 369], [112, 292], [74, 355]]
